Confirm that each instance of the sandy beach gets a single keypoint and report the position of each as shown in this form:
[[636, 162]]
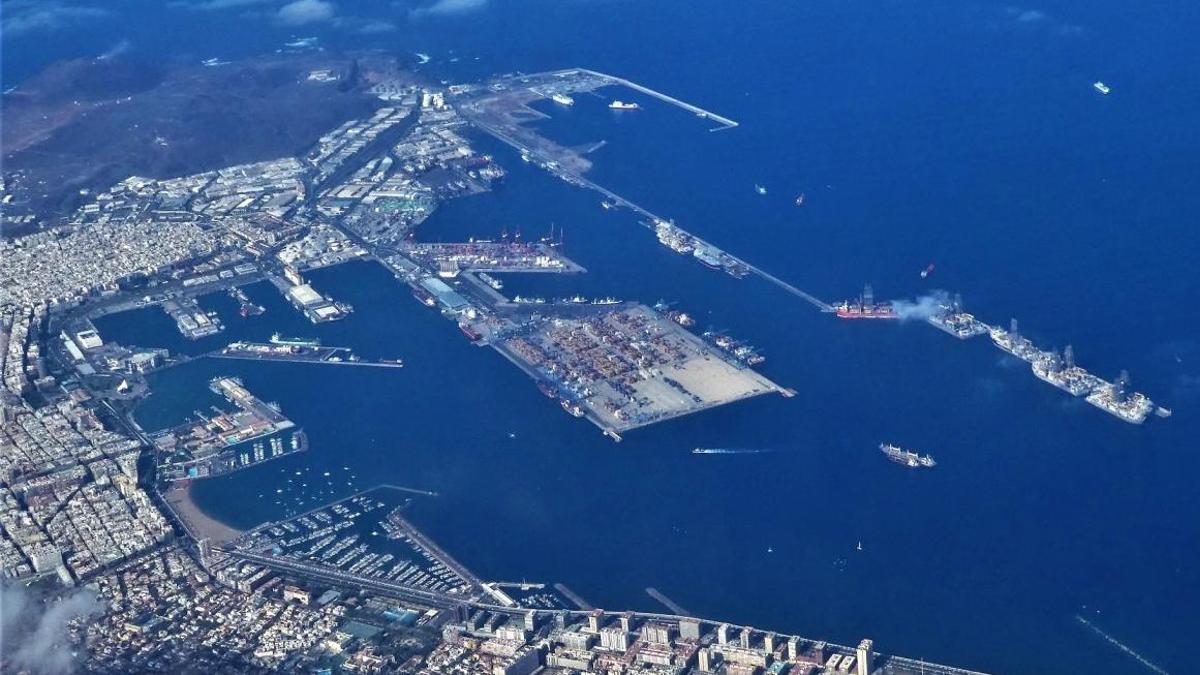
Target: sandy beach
[[198, 523]]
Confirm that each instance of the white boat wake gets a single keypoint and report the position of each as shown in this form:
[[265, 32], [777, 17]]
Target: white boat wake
[[1122, 646], [731, 451]]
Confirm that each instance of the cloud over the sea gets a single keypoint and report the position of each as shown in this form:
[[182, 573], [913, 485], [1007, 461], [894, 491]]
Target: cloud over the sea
[[1031, 18], [34, 16], [303, 12], [214, 5], [446, 7]]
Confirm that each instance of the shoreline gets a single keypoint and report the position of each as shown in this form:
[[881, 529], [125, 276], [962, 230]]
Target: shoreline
[[199, 524]]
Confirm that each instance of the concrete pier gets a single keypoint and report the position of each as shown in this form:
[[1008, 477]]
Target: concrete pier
[[666, 602], [725, 122]]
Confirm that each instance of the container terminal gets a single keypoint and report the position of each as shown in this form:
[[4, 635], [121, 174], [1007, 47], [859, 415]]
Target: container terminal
[[627, 367], [620, 365]]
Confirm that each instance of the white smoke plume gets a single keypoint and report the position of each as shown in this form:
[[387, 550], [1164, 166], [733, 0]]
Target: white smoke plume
[[33, 632], [923, 307], [116, 50]]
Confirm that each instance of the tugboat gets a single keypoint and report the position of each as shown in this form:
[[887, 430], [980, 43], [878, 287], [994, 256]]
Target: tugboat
[[908, 458]]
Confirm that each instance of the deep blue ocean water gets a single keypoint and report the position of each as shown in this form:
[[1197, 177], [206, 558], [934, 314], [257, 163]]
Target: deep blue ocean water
[[965, 134]]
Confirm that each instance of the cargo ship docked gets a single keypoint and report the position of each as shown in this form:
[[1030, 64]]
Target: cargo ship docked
[[1062, 372], [740, 350], [865, 307], [469, 331], [708, 256], [951, 319], [908, 458], [672, 237], [548, 388], [1116, 399], [423, 296], [1012, 342], [495, 283], [277, 339]]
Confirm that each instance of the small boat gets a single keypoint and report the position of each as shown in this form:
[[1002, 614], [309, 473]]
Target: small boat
[[801, 199], [1101, 87], [760, 189], [621, 105], [927, 271]]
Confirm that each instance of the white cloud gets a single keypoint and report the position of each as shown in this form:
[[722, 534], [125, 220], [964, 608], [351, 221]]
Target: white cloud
[[374, 26], [38, 631], [302, 12], [214, 5], [443, 7], [1039, 20], [30, 16]]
